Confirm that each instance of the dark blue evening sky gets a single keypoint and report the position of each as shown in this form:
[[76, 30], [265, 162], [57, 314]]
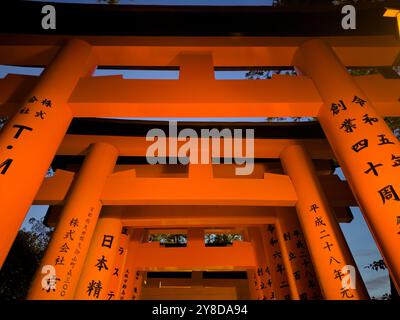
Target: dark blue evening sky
[[180, 2]]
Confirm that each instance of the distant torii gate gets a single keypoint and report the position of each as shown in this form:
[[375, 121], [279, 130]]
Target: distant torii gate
[[289, 208]]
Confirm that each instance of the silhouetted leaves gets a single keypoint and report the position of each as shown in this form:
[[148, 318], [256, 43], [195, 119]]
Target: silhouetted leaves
[[23, 260]]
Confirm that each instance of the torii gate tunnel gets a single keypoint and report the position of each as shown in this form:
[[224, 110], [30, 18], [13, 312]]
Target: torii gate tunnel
[[105, 198]]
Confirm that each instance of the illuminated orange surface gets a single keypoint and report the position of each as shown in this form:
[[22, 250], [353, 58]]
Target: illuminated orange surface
[[325, 240], [72, 237], [102, 254], [334, 84], [31, 137], [266, 205]]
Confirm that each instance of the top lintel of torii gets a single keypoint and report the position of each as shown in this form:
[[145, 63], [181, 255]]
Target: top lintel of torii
[[178, 37], [306, 20], [236, 36]]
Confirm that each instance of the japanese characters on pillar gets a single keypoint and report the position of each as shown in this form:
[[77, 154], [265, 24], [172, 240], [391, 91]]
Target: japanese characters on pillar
[[329, 252], [114, 289], [33, 108], [328, 243], [277, 268], [126, 280], [376, 162], [262, 281], [133, 277], [74, 243], [296, 249], [131, 284], [29, 140], [98, 269], [68, 254], [366, 149], [254, 285], [137, 285], [251, 281], [68, 247]]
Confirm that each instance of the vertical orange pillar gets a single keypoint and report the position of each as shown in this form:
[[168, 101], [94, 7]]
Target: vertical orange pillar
[[127, 281], [71, 239], [294, 294], [296, 256], [398, 22], [254, 284], [132, 280], [114, 288], [277, 269], [195, 237], [325, 240], [98, 268], [366, 149], [262, 275], [137, 285], [29, 140]]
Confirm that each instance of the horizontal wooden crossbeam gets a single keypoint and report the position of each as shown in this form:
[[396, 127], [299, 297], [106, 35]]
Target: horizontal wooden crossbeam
[[124, 188], [39, 50], [152, 257], [112, 96], [83, 19], [181, 216], [137, 146]]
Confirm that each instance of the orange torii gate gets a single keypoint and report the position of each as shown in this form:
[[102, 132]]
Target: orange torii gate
[[104, 196]]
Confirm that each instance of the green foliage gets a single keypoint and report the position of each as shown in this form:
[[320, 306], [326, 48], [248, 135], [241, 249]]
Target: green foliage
[[257, 74], [210, 238], [23, 260], [263, 74], [377, 265], [222, 238], [363, 71], [394, 125], [385, 296], [392, 122], [166, 238], [3, 122]]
